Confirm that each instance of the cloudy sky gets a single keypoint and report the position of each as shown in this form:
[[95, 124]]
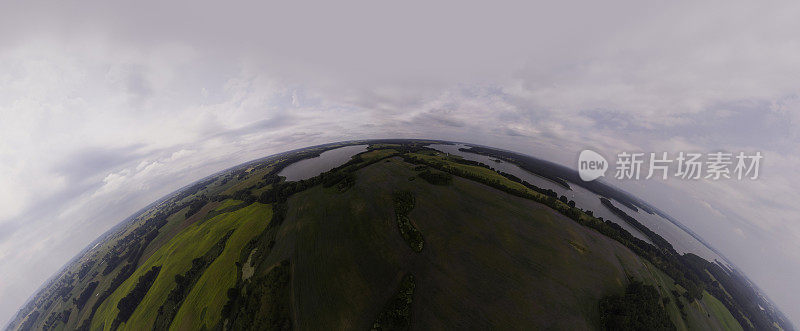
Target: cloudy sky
[[107, 106]]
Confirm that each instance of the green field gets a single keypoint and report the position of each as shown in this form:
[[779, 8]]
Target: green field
[[203, 305], [493, 257], [175, 258], [481, 245]]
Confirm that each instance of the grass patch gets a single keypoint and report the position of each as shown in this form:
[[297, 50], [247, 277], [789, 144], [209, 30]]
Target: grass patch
[[175, 258], [209, 294], [227, 206], [722, 314], [436, 177], [377, 154], [252, 178], [481, 174], [184, 284]]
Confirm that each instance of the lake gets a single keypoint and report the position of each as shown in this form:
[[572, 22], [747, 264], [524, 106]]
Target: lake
[[305, 169]]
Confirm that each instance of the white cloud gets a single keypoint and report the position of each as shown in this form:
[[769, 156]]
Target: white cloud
[[103, 110]]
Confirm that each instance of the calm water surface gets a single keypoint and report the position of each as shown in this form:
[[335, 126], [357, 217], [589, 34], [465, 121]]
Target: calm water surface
[[305, 169]]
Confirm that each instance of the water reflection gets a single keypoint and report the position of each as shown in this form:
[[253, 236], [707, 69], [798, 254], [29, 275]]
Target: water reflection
[[305, 169], [682, 241]]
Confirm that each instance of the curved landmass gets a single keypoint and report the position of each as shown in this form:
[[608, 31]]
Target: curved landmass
[[399, 237]]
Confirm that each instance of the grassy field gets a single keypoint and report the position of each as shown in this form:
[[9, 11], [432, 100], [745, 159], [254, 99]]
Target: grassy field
[[448, 163], [490, 259], [166, 233], [227, 203], [716, 308], [481, 245], [482, 172], [377, 154], [253, 177], [203, 305], [706, 314], [175, 258]]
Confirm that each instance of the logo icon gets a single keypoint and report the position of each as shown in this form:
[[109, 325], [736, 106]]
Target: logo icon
[[591, 165]]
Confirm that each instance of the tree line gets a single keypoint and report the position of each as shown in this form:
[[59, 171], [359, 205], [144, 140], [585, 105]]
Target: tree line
[[127, 305], [640, 308], [185, 282], [404, 202]]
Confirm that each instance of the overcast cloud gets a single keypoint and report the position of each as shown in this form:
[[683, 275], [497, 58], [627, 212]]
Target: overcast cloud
[[105, 107]]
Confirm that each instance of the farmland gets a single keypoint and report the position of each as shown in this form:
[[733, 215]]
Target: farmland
[[399, 235]]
